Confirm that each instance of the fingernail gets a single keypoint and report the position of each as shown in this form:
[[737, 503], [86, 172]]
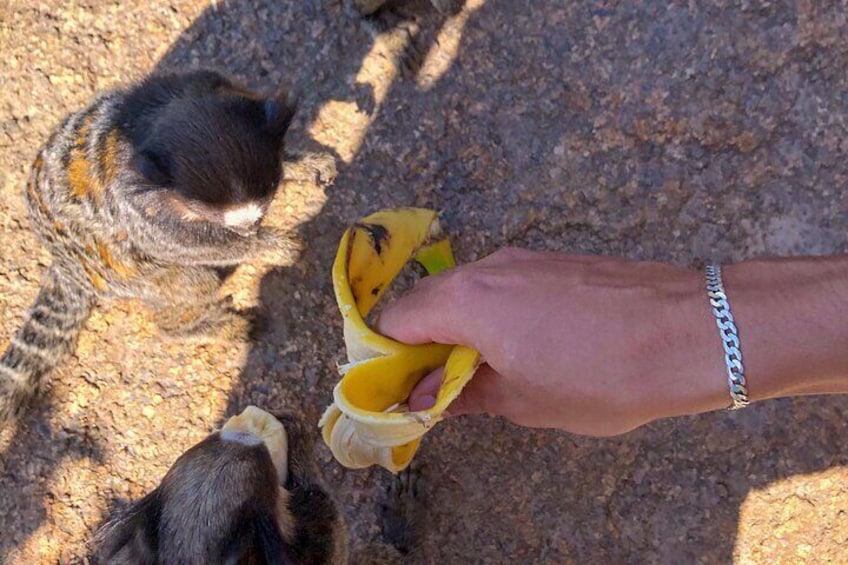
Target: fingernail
[[422, 402]]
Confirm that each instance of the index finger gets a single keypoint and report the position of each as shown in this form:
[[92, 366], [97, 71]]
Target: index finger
[[427, 314]]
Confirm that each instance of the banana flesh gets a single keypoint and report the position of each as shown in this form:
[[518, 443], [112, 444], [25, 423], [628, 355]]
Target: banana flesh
[[369, 422], [268, 429]]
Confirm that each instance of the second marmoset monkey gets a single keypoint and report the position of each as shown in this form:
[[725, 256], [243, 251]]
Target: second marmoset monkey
[[248, 493], [251, 493], [145, 194]]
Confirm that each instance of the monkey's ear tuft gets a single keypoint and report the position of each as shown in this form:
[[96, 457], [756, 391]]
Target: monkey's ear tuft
[[279, 112], [132, 536], [155, 166]]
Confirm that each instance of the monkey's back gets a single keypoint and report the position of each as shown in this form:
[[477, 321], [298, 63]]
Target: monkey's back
[[75, 197]]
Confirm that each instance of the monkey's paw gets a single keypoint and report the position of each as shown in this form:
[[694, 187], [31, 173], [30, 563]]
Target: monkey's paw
[[319, 168], [401, 509], [275, 248]]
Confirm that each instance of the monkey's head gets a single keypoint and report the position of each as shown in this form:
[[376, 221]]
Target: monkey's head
[[210, 147], [242, 495]]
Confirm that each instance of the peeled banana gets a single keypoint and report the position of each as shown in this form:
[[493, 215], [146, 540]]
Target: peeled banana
[[265, 427], [369, 422]]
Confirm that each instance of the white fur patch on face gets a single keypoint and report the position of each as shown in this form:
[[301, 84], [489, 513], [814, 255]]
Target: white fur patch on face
[[243, 216]]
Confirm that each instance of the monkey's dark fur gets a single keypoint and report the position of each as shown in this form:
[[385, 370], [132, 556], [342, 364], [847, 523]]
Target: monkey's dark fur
[[221, 503], [143, 195], [368, 7]]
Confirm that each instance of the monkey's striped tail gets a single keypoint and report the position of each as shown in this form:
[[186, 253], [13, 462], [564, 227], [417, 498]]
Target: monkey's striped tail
[[46, 338]]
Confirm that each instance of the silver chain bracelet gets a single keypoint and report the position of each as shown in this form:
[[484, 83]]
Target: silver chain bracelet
[[729, 337]]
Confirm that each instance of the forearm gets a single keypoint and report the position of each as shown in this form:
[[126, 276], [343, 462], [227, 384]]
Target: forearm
[[209, 246], [600, 345], [798, 328], [792, 318]]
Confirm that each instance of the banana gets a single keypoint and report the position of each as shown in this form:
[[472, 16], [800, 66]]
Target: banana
[[265, 428], [369, 422]]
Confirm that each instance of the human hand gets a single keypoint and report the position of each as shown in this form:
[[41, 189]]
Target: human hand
[[592, 345]]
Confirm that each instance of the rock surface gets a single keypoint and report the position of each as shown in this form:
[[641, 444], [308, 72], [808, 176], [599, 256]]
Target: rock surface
[[677, 131]]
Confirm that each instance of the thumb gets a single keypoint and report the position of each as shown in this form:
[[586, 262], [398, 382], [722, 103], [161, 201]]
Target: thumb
[[470, 401]]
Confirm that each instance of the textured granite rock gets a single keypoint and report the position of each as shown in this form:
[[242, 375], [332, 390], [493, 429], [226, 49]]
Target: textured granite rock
[[676, 131]]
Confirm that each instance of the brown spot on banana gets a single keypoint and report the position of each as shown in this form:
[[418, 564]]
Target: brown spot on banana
[[379, 235]]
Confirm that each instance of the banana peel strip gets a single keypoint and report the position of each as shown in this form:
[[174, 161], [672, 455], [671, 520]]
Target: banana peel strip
[[369, 422], [265, 427]]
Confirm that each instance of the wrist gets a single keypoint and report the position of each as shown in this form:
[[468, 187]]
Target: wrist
[[689, 372], [792, 317]]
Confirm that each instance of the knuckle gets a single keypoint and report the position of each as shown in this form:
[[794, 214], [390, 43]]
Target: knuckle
[[465, 283], [461, 293]]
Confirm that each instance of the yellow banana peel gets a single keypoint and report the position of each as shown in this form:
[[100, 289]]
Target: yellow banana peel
[[369, 422]]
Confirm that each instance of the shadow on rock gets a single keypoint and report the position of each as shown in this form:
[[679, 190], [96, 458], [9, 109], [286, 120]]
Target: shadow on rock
[[651, 131]]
